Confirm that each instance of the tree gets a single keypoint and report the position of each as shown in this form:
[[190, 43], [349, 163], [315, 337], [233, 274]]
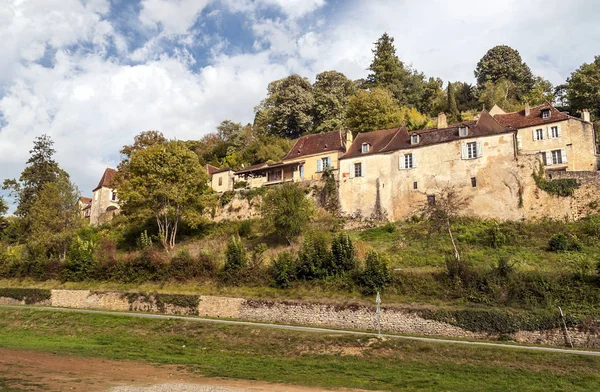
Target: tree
[[3, 207], [286, 210], [230, 131], [541, 92], [453, 113], [433, 99], [372, 110], [40, 170], [343, 254], [165, 181], [387, 71], [505, 63], [54, 217], [140, 142], [288, 107], [331, 90], [376, 274], [500, 93], [583, 88]]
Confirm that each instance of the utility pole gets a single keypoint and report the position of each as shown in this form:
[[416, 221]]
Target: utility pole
[[378, 300]]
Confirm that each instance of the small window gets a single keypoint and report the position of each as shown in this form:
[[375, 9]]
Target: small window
[[463, 131], [554, 132], [325, 163], [113, 196], [415, 185], [408, 161], [220, 181], [301, 171], [365, 148], [546, 113], [472, 150], [358, 170], [431, 200], [539, 134], [474, 182], [414, 139], [556, 157]]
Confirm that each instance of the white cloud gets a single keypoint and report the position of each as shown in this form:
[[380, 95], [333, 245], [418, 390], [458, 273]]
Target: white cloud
[[174, 16], [291, 8]]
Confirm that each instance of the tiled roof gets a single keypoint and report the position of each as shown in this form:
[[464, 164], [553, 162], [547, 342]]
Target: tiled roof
[[211, 169], [85, 200], [520, 120], [399, 138], [317, 143], [106, 180]]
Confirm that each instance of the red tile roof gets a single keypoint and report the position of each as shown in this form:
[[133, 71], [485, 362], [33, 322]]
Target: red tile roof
[[317, 143], [520, 120], [85, 200], [389, 140], [106, 180], [211, 169]]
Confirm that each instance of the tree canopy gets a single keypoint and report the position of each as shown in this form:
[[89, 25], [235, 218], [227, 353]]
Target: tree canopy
[[331, 90], [372, 110], [583, 88], [503, 63]]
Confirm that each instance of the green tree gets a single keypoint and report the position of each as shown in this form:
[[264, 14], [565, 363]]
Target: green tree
[[165, 181], [500, 93], [453, 113], [541, 92], [433, 99], [3, 207], [40, 170], [331, 90], [230, 131], [387, 71], [343, 253], [54, 217], [583, 88], [288, 107], [505, 63], [235, 257], [286, 210], [376, 274], [314, 258], [140, 142], [372, 110]]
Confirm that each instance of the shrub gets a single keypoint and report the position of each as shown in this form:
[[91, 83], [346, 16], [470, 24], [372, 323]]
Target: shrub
[[245, 228], [376, 275], [30, 296], [226, 197], [145, 241], [146, 266], [494, 236], [81, 264], [389, 227], [314, 258], [460, 269], [580, 266], [286, 210], [343, 253], [184, 267], [235, 257], [558, 243], [591, 226], [283, 270], [504, 269]]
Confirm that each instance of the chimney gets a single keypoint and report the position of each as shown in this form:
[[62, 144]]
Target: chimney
[[585, 115], [441, 121], [527, 109], [477, 116], [349, 139]]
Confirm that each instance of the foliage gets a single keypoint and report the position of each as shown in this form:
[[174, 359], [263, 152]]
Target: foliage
[[226, 197], [314, 258], [372, 110], [283, 270], [453, 113], [503, 63], [140, 142], [145, 241], [185, 267], [562, 187], [30, 296], [286, 210], [376, 275], [583, 88], [343, 253], [3, 206], [331, 90], [80, 264], [235, 258], [165, 181], [245, 228], [288, 107], [560, 242]]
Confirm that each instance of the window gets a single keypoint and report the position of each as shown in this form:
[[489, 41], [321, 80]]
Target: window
[[324, 164], [365, 148], [471, 150], [546, 113], [408, 161], [113, 196], [414, 139], [474, 182], [463, 131], [358, 170], [431, 200], [556, 157], [220, 181], [275, 175], [301, 171], [554, 132], [539, 134], [415, 186]]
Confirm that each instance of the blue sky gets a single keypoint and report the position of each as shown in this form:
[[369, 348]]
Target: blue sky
[[94, 73]]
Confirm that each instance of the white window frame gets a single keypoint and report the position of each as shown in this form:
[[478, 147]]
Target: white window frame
[[359, 165], [554, 157], [463, 131], [365, 148], [554, 132], [471, 150], [538, 134], [546, 113], [407, 161], [414, 139]]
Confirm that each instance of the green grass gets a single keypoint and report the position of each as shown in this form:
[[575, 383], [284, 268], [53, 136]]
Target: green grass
[[324, 360]]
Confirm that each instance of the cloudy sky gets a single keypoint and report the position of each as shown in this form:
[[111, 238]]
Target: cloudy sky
[[94, 73]]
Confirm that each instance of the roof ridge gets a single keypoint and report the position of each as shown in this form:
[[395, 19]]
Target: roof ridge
[[393, 137]]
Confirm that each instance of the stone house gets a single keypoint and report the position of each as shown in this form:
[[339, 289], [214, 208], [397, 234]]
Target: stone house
[[564, 142], [85, 207], [105, 203], [220, 179], [307, 160]]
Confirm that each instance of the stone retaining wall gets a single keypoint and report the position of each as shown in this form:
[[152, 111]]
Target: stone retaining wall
[[359, 317]]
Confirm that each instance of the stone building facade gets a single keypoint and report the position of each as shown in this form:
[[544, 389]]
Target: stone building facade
[[105, 203]]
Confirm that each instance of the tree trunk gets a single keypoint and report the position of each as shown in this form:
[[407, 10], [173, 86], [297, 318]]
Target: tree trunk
[[456, 254]]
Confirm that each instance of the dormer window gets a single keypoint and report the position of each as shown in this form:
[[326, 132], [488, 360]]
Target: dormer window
[[365, 148], [546, 113], [414, 139], [463, 131]]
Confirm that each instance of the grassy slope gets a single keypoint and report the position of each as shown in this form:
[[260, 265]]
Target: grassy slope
[[291, 357]]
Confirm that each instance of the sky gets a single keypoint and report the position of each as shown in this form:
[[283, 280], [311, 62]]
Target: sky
[[94, 73]]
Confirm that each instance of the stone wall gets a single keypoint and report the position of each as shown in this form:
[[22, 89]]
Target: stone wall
[[348, 316]]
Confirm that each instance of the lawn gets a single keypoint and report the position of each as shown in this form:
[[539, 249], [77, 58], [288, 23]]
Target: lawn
[[325, 360]]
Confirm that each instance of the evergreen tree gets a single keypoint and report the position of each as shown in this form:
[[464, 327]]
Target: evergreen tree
[[453, 113], [583, 88], [40, 170], [332, 90], [387, 71]]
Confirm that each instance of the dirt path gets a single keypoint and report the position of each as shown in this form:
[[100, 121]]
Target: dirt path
[[25, 370]]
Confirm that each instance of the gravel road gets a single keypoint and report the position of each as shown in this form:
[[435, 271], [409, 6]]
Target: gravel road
[[176, 388]]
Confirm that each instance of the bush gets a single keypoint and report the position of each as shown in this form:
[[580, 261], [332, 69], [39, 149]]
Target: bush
[[580, 266], [460, 269], [494, 236], [235, 258], [591, 226], [558, 243], [149, 265], [145, 241], [81, 264], [504, 269], [286, 210], [30, 296], [245, 228], [376, 275], [314, 258], [283, 270], [184, 267], [343, 254]]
